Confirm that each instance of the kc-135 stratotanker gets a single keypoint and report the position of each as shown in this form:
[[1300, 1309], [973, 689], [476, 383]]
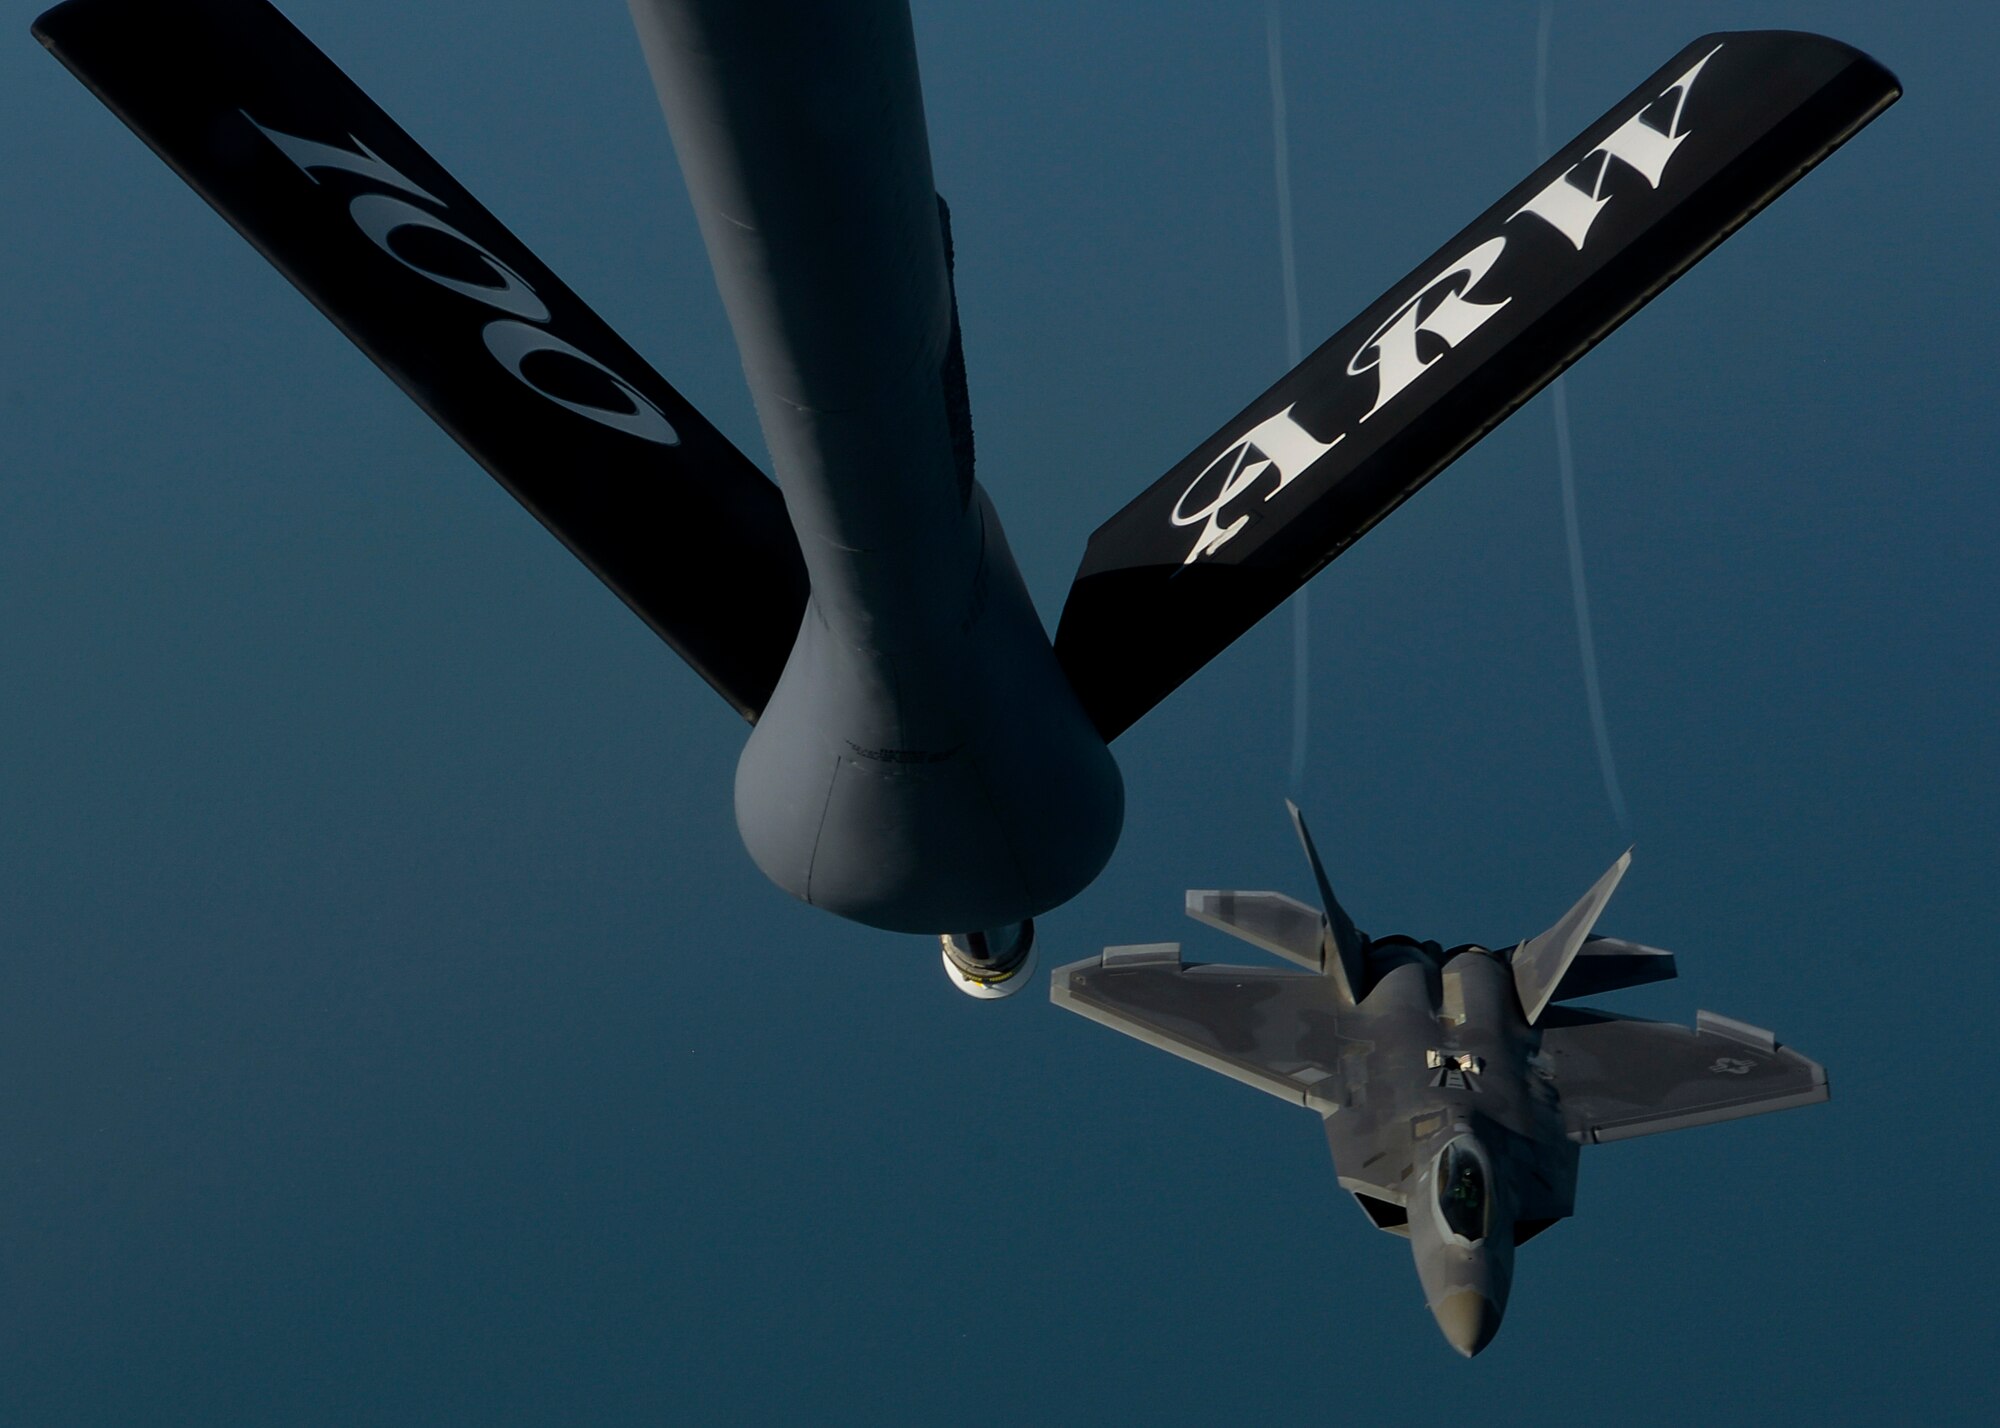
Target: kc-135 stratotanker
[[923, 757]]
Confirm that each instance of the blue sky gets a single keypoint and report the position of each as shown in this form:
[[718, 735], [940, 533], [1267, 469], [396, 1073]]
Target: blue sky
[[392, 1028]]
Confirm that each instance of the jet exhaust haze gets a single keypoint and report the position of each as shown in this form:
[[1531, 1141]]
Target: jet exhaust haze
[[1281, 158], [1579, 590]]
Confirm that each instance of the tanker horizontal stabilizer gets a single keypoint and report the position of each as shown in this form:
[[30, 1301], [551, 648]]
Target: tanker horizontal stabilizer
[[1445, 355], [486, 339]]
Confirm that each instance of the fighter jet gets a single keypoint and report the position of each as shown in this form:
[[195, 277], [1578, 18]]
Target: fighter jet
[[1456, 1085], [922, 756]]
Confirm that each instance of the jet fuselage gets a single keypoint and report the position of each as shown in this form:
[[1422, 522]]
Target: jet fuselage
[[1443, 1115]]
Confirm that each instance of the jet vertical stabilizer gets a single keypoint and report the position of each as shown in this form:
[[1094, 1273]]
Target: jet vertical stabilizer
[[1347, 949], [1539, 964]]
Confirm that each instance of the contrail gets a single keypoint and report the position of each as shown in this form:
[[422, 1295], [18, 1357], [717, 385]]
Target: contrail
[[1288, 262], [1566, 470]]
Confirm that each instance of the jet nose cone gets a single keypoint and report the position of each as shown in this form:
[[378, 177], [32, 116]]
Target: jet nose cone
[[1469, 1320]]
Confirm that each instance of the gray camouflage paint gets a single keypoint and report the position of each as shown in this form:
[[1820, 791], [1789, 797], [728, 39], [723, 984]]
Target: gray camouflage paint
[[1434, 1051]]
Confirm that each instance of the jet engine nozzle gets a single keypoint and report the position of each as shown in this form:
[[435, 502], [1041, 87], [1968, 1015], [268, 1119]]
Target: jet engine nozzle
[[990, 965]]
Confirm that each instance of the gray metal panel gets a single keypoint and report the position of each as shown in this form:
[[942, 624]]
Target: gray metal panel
[[1143, 954], [923, 763], [1539, 965], [799, 128], [1709, 1023], [1630, 1130], [1619, 1077], [1241, 1021], [1348, 966], [1610, 964], [1282, 926]]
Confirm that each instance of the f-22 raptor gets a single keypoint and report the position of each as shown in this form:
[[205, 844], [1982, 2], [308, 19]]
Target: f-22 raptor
[[1455, 1087]]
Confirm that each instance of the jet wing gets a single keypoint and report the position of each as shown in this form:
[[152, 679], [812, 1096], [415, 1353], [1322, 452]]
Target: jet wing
[[1619, 1077], [1268, 1027]]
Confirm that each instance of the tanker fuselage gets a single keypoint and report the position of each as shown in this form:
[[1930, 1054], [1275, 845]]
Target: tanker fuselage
[[923, 764]]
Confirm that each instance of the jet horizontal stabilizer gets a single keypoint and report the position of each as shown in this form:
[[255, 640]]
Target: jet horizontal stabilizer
[[1610, 964], [1281, 925], [1445, 355], [522, 374]]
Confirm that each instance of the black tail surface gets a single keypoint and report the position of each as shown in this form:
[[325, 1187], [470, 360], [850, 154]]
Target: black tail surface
[[485, 338], [1395, 396]]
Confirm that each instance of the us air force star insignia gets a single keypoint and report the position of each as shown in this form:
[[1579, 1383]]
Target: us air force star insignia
[[1731, 1066]]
